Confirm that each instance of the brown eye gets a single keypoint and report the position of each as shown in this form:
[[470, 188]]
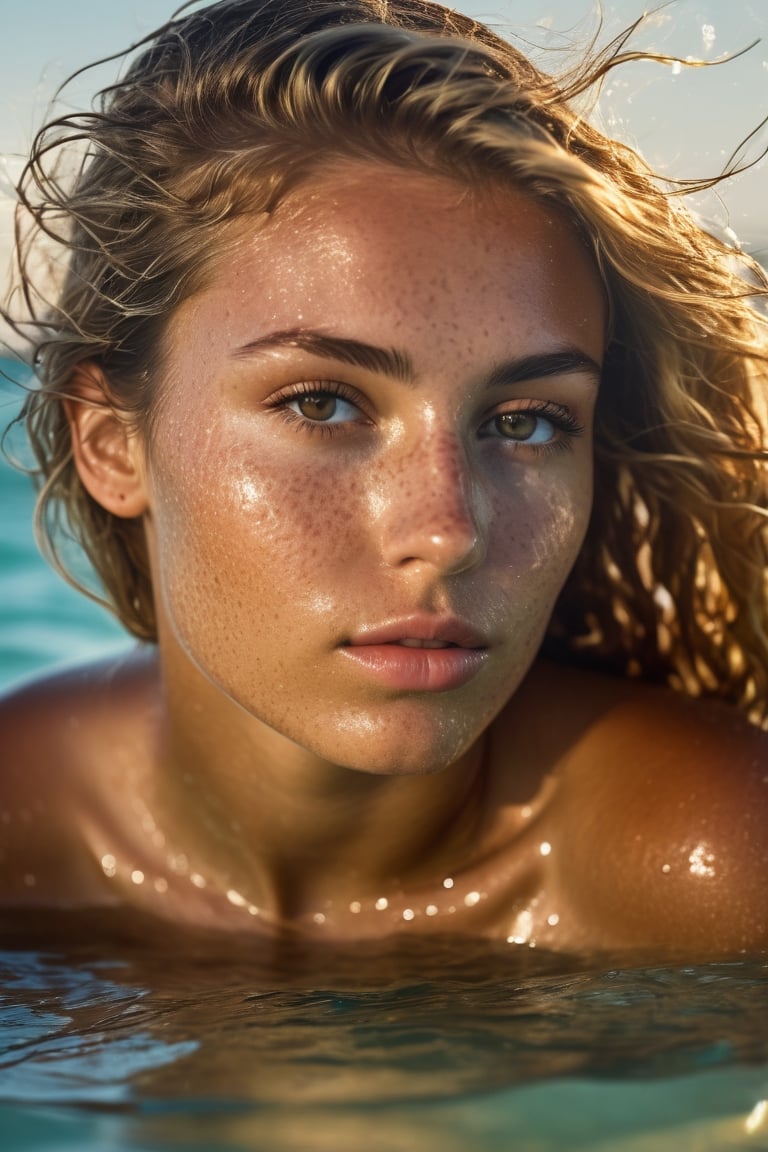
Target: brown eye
[[318, 406], [518, 425]]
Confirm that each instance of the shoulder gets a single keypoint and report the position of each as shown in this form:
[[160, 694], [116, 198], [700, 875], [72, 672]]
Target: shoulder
[[57, 736], [663, 816]]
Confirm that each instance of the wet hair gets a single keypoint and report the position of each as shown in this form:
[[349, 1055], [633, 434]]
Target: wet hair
[[229, 107]]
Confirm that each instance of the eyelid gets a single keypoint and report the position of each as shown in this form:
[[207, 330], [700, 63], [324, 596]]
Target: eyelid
[[316, 388], [564, 422], [280, 403]]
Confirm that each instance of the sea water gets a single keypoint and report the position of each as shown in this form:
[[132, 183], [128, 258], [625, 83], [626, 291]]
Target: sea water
[[44, 622], [114, 1039]]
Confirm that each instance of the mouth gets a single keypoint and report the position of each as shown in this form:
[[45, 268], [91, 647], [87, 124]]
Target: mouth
[[422, 631], [420, 654], [412, 642]]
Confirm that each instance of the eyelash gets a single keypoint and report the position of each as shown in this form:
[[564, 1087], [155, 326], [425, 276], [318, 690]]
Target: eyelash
[[559, 416], [279, 404]]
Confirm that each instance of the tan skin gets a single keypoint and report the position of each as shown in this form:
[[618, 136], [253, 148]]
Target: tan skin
[[274, 764]]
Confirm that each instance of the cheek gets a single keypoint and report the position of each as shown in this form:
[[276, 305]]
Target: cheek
[[540, 531], [242, 538]]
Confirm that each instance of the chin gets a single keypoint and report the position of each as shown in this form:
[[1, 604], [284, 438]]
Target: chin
[[401, 749]]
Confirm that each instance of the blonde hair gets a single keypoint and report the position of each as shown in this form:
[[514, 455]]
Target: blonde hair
[[228, 108]]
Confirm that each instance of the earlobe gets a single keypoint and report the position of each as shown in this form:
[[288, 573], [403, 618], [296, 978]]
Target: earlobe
[[107, 450]]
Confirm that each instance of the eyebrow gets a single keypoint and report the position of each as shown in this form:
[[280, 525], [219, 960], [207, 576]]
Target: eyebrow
[[387, 361], [397, 364]]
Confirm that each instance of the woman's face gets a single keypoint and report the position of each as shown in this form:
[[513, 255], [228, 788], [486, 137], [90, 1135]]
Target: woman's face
[[372, 466]]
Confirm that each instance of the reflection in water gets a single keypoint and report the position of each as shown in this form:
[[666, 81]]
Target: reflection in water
[[412, 1044]]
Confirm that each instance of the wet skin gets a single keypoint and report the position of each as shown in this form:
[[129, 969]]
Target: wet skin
[[298, 501], [369, 476]]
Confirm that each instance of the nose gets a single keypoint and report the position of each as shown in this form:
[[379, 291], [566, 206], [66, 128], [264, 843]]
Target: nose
[[433, 511]]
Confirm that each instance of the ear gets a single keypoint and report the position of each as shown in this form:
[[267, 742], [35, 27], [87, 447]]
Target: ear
[[108, 451]]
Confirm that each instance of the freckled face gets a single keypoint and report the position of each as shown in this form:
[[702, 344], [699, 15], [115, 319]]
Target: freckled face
[[372, 466]]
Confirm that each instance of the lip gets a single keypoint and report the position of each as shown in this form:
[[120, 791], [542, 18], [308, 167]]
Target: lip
[[422, 626], [380, 652]]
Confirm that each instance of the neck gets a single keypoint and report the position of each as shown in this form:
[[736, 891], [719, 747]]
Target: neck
[[269, 824]]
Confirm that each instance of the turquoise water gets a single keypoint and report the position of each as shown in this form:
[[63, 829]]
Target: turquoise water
[[111, 1044], [43, 622], [441, 1047]]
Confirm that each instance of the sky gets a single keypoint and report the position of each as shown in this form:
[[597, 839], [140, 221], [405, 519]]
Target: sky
[[685, 121]]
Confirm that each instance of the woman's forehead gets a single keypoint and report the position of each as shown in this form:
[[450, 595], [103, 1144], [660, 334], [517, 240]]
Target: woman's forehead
[[387, 230], [402, 259]]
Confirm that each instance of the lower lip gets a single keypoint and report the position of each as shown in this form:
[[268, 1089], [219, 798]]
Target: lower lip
[[417, 669]]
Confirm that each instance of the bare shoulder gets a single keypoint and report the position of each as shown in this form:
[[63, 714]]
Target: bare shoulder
[[662, 815], [58, 735]]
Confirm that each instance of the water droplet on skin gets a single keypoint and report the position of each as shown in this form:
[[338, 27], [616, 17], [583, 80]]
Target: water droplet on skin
[[178, 864], [108, 865], [701, 861], [448, 882], [666, 869], [545, 848], [319, 918], [381, 904], [408, 914], [521, 928], [235, 898], [431, 909], [137, 876], [161, 885], [355, 906], [471, 899], [553, 920], [198, 880], [253, 910]]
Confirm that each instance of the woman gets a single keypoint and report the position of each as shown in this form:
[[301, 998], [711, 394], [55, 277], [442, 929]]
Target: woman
[[417, 434]]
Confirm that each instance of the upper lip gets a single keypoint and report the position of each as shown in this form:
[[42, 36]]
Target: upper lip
[[422, 626]]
